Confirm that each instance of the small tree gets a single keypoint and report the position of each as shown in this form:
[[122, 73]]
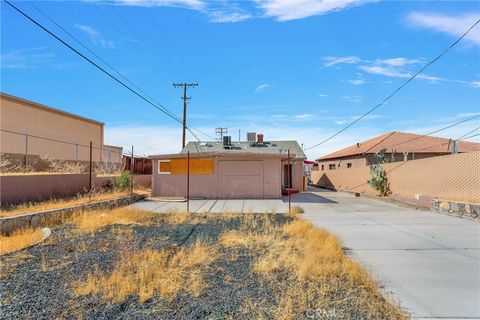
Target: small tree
[[123, 181], [379, 180]]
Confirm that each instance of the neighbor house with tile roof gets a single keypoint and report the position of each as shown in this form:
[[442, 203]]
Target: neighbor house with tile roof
[[404, 146]]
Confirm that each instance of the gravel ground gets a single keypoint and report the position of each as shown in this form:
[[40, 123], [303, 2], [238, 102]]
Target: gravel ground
[[36, 283]]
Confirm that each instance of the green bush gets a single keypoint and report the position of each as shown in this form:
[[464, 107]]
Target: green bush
[[124, 180]]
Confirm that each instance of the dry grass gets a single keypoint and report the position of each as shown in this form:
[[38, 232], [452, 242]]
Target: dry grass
[[296, 210], [147, 273], [19, 240], [314, 265], [315, 262], [60, 203], [90, 221]]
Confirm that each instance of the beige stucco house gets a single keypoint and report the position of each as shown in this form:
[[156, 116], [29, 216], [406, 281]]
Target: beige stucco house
[[42, 132], [236, 170]]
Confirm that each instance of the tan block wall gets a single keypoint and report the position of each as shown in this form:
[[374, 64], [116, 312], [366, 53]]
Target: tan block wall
[[33, 120], [452, 177], [112, 154]]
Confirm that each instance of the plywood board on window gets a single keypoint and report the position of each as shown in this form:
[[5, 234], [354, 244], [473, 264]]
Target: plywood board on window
[[197, 166]]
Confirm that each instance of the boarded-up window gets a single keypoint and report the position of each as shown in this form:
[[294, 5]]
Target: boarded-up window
[[164, 167], [179, 166]]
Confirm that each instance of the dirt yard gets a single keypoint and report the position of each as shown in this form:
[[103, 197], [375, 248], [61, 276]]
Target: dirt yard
[[135, 264]]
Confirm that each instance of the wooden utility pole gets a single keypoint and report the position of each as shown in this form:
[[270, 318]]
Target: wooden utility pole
[[185, 98], [221, 132]]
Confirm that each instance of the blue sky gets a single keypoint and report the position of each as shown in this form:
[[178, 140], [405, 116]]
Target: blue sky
[[289, 69]]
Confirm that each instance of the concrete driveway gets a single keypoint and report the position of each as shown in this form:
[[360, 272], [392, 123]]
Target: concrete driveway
[[429, 261]]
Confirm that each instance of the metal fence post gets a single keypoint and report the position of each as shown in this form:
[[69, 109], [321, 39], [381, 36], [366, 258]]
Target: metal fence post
[[289, 172], [26, 150], [188, 181], [132, 170], [90, 171]]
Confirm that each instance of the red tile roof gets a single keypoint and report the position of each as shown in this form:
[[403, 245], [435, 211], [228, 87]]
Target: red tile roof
[[402, 142]]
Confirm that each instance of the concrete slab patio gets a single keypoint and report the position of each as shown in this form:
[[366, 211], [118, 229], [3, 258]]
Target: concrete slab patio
[[215, 206], [430, 262]]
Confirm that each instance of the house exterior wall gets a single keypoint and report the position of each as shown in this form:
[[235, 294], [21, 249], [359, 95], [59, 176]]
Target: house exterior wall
[[450, 177], [23, 117], [342, 163], [207, 185], [367, 159]]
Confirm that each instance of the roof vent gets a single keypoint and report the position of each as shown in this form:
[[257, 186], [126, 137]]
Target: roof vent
[[251, 137], [358, 144]]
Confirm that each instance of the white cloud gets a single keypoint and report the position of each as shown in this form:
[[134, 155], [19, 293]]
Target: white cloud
[[356, 99], [285, 10], [331, 61], [189, 4], [304, 117], [322, 95], [475, 83], [224, 16], [357, 82], [397, 62], [385, 71], [25, 59], [262, 87], [95, 36], [451, 25]]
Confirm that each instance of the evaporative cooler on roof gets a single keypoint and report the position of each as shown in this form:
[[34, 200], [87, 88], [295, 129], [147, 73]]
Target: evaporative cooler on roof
[[251, 137]]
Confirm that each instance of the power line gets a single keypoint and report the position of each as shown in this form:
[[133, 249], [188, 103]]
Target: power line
[[436, 131], [104, 61], [162, 109], [466, 134], [469, 137], [398, 89], [405, 162]]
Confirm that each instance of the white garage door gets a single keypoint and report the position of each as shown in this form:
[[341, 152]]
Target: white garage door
[[240, 179]]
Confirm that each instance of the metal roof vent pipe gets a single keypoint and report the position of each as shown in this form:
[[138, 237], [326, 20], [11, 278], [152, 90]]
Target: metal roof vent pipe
[[260, 138]]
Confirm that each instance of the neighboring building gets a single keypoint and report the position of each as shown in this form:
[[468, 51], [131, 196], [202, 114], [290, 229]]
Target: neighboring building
[[405, 146], [41, 132], [254, 169]]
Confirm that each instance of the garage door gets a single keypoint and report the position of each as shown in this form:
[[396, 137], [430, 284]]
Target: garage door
[[240, 179]]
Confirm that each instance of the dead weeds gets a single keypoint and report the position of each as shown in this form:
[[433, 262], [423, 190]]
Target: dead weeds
[[148, 273], [19, 239]]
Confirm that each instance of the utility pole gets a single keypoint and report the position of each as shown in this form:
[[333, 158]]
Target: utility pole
[[185, 98], [221, 131]]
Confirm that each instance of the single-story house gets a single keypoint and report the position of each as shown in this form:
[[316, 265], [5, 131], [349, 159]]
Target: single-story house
[[404, 146], [222, 170]]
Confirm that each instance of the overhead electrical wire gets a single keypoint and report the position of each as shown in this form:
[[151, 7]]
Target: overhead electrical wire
[[436, 131], [101, 59], [398, 89], [159, 107]]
